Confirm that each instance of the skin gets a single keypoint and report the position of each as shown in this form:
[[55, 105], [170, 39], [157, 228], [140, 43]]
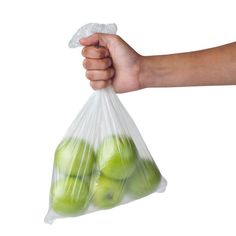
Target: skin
[[109, 59]]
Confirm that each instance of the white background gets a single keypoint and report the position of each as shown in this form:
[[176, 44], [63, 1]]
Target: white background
[[191, 132]]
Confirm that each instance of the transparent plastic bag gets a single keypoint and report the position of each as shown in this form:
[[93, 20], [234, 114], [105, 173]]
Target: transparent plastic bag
[[102, 161]]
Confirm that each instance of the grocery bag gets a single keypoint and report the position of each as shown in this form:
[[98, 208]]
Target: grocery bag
[[102, 161]]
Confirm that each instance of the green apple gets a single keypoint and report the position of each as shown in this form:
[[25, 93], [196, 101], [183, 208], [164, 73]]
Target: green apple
[[69, 196], [145, 178], [107, 193], [116, 157], [74, 157]]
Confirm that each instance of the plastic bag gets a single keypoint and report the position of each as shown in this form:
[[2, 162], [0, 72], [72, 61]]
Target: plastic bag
[[102, 161]]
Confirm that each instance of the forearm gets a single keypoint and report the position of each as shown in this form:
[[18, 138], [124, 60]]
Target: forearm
[[215, 66]]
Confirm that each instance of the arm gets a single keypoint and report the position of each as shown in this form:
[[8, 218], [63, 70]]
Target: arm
[[117, 63], [215, 66]]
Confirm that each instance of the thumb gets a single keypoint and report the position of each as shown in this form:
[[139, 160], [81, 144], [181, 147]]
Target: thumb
[[97, 39]]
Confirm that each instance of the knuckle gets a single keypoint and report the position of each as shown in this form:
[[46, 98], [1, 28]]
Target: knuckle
[[97, 84], [89, 64], [115, 37], [88, 51], [106, 63], [84, 51], [85, 63], [111, 72], [89, 74], [108, 73], [112, 36], [102, 53]]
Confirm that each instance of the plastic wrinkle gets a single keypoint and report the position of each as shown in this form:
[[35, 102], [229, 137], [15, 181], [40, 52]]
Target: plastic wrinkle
[[90, 29], [102, 161]]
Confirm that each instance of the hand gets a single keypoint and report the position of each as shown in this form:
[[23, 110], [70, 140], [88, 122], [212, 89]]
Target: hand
[[110, 60]]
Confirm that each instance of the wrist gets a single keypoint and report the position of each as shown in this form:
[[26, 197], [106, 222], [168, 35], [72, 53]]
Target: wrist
[[154, 71]]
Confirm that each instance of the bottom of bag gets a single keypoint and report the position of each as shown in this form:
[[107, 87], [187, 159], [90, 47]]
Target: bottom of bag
[[51, 215]]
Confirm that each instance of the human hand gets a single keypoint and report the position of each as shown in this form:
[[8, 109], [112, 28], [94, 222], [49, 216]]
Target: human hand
[[110, 60]]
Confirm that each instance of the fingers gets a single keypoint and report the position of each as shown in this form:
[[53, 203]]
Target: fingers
[[91, 40], [98, 67], [97, 64], [95, 52], [99, 84], [96, 39], [95, 75]]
